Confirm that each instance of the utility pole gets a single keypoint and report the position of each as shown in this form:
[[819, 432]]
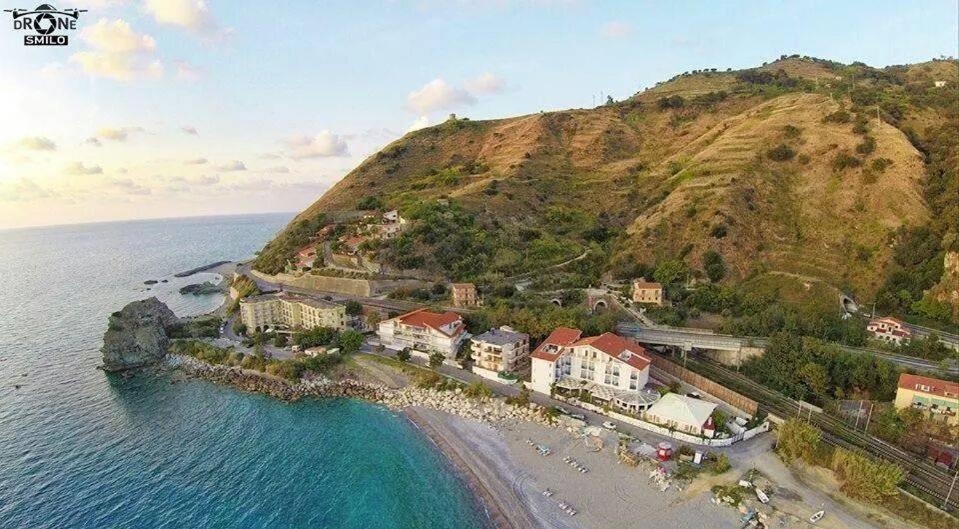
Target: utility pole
[[858, 414], [869, 417], [945, 502]]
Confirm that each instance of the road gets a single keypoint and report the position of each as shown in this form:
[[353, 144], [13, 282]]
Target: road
[[698, 339]]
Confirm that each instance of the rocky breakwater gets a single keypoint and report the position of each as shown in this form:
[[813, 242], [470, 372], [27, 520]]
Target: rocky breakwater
[[488, 410], [137, 335]]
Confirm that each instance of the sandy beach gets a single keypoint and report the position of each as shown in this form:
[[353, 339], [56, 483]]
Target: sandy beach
[[509, 477]]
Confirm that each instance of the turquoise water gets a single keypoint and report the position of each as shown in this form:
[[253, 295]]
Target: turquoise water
[[79, 448]]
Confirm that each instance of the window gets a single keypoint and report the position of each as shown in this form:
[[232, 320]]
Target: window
[[634, 380]]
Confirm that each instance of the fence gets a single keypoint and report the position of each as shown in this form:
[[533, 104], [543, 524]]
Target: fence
[[734, 399], [655, 428]]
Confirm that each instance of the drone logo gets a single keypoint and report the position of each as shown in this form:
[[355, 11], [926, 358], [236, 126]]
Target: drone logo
[[45, 20]]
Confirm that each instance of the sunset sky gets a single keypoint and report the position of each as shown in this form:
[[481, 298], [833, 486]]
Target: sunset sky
[[165, 108]]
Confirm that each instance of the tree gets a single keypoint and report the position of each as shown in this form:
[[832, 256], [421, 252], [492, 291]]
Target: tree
[[403, 355], [280, 340], [797, 440], [354, 308], [714, 265], [350, 341], [373, 319], [864, 478], [436, 360], [671, 274], [239, 328]]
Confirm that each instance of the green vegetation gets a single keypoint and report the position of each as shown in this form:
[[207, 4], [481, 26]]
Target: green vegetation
[[808, 369], [844, 161], [292, 369], [436, 360], [207, 327], [279, 251], [245, 287], [781, 153], [404, 355], [714, 266], [538, 317], [478, 390]]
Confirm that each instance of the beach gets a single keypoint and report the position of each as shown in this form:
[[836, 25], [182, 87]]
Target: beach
[[509, 477]]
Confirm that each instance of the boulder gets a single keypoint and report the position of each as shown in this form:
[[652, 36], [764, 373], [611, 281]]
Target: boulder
[[137, 335]]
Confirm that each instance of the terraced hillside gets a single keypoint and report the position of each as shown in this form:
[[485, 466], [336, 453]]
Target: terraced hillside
[[802, 168]]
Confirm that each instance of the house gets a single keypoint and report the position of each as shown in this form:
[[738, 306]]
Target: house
[[889, 330], [684, 414], [499, 350], [464, 295], [939, 398], [647, 292], [290, 311], [425, 332], [306, 256], [605, 369]]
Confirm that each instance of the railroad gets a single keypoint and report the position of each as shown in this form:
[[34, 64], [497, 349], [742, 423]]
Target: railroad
[[920, 474]]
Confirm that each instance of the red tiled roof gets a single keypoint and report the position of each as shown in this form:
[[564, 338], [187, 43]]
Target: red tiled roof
[[936, 387], [615, 346], [639, 283], [560, 337], [888, 319], [433, 320]]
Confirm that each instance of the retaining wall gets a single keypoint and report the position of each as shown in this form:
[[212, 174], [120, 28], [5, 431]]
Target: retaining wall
[[734, 399]]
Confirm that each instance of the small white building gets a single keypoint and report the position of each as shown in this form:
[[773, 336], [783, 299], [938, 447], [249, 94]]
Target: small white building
[[425, 332], [684, 414], [609, 368], [889, 330]]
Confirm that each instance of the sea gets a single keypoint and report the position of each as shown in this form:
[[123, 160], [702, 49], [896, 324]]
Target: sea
[[80, 448]]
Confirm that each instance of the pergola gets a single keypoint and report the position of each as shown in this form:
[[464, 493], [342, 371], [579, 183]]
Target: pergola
[[627, 400]]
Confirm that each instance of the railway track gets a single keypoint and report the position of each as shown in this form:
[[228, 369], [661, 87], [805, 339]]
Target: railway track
[[920, 474]]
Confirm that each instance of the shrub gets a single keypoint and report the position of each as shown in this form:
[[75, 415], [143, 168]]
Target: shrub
[[792, 131], [867, 146], [714, 266], [350, 341], [403, 355], [671, 102], [372, 202], [436, 360], [839, 116], [797, 440], [781, 153], [844, 161], [722, 464], [354, 308], [864, 478], [280, 340], [881, 164], [718, 231], [478, 390]]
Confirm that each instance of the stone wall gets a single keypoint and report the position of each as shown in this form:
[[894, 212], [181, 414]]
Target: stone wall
[[341, 285], [662, 366]]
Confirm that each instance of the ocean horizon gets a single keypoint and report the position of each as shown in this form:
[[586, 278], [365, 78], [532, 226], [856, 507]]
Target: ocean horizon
[[86, 449]]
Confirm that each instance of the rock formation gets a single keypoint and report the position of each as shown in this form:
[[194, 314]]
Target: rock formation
[[137, 335]]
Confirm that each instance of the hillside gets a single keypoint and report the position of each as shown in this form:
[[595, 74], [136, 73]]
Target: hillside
[[783, 171]]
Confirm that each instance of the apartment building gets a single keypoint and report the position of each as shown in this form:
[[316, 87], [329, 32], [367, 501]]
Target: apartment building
[[290, 311], [499, 350], [938, 398]]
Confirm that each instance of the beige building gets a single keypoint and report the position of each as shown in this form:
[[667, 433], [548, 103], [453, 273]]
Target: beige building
[[425, 332], [464, 295], [290, 311], [500, 350], [647, 292], [939, 399]]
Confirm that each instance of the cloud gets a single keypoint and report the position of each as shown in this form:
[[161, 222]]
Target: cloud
[[117, 134], [38, 143], [187, 72], [616, 30], [77, 168], [438, 95], [189, 14], [126, 186], [187, 129], [324, 144], [93, 141], [486, 83], [23, 190], [421, 123], [281, 169], [195, 161], [203, 180], [233, 165], [117, 52], [270, 156]]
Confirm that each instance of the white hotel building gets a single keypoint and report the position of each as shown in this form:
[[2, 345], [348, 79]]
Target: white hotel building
[[608, 367], [425, 332]]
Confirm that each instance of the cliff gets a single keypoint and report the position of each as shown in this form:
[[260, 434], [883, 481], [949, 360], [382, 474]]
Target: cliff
[[137, 335]]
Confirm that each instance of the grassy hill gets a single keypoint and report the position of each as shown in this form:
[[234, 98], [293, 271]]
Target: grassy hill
[[800, 170]]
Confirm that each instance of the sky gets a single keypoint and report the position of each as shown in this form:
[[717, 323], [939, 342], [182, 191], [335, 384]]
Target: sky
[[168, 108]]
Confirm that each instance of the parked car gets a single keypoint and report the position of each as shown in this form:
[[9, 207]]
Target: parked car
[[609, 425], [579, 416], [562, 410], [694, 395]]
